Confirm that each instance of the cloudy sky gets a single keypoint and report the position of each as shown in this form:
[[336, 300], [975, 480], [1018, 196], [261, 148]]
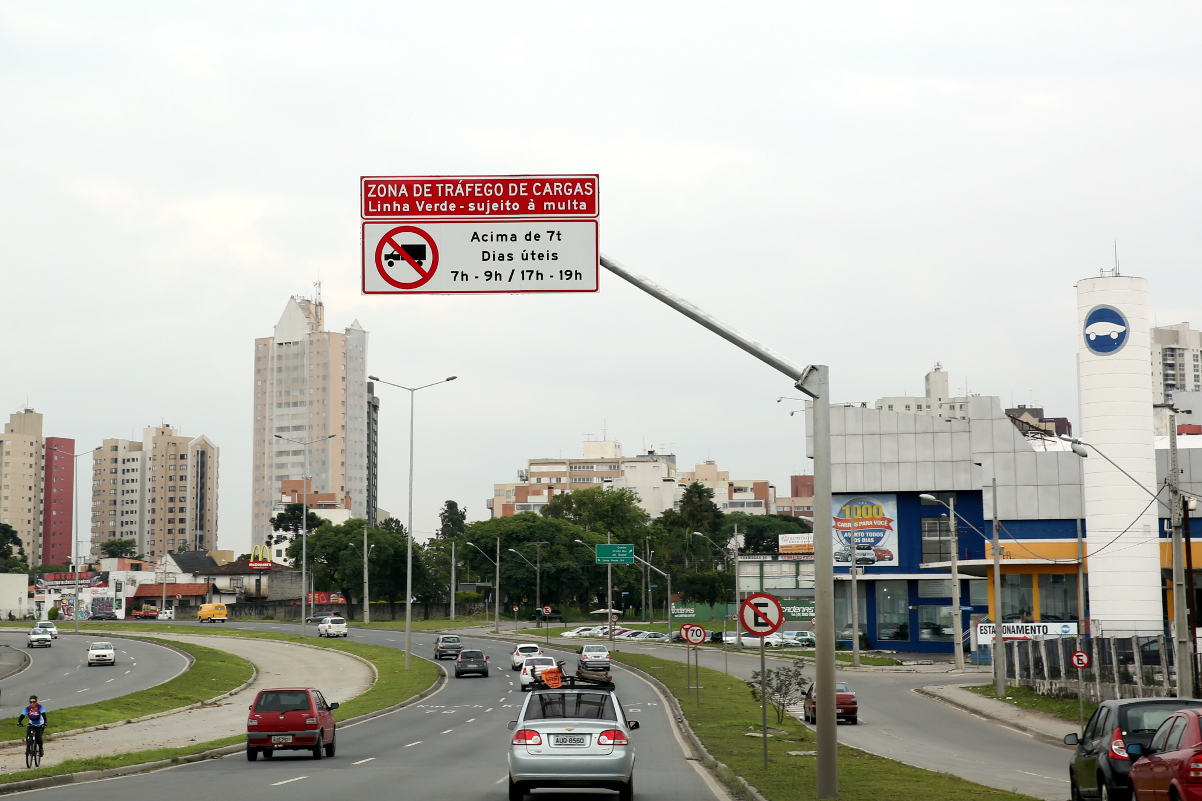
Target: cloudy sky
[[876, 187]]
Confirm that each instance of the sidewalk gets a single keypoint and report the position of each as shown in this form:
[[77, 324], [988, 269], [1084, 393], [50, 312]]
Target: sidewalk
[[1043, 727], [338, 676]]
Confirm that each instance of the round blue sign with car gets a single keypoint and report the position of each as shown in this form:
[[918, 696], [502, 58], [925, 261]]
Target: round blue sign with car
[[1106, 330]]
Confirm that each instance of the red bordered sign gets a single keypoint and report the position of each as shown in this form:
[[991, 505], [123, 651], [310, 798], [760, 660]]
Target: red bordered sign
[[761, 614], [1080, 660], [692, 633]]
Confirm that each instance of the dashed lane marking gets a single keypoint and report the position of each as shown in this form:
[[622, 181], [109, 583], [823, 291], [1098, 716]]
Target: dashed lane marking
[[469, 721], [498, 781], [288, 781], [413, 744], [127, 673], [490, 709], [361, 761], [110, 680], [448, 731], [84, 690]]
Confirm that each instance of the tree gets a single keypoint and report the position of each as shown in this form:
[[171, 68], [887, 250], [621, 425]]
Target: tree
[[710, 588], [290, 519], [760, 532], [336, 561], [117, 548], [12, 552], [698, 512], [784, 687], [615, 512], [453, 521]]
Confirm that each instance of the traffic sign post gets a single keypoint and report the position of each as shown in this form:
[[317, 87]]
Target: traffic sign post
[[761, 614], [1080, 660], [693, 635], [616, 554], [547, 621]]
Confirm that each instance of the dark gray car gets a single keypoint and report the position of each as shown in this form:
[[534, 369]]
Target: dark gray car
[[471, 662], [1100, 766], [447, 645]]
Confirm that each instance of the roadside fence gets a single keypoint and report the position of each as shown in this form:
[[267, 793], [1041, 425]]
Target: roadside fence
[[1119, 667]]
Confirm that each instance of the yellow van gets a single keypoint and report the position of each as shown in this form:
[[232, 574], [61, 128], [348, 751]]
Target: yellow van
[[214, 613]]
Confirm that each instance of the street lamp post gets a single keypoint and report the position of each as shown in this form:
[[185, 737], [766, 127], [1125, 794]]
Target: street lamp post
[[305, 523], [537, 579], [367, 550], [409, 530], [957, 645], [496, 590]]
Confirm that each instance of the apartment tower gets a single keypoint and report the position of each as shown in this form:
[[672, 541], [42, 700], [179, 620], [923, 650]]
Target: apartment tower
[[309, 384], [161, 491]]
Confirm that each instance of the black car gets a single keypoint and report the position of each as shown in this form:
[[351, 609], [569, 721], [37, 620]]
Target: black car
[[471, 662], [1100, 765], [103, 616]]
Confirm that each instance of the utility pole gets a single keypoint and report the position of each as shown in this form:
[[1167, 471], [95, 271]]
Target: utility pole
[[957, 615], [854, 570], [453, 585], [366, 599], [1184, 659], [497, 587], [999, 647]]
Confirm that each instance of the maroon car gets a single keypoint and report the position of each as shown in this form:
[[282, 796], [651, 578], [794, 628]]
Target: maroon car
[[290, 719], [1171, 766], [846, 706]]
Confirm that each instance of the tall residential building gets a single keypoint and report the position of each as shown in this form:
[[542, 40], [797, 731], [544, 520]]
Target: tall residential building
[[651, 475], [800, 502], [161, 491], [1176, 361], [936, 402], [38, 486], [309, 384]]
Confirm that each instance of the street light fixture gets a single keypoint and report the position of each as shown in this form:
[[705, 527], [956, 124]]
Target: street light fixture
[[305, 523], [409, 529], [957, 616], [497, 584]]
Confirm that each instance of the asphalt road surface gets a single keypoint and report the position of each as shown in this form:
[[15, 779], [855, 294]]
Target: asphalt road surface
[[453, 745], [60, 675]]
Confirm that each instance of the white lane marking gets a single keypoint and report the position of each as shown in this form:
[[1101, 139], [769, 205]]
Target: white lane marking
[[490, 709], [448, 731], [66, 674], [127, 673], [1041, 776], [110, 680], [499, 700], [413, 744], [498, 781], [361, 761], [469, 720], [84, 690], [288, 781]]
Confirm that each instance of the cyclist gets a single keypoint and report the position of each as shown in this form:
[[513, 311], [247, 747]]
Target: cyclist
[[37, 720]]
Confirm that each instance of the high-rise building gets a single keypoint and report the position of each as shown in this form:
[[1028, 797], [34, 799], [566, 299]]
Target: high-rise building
[[309, 384], [1176, 361], [161, 491], [38, 488]]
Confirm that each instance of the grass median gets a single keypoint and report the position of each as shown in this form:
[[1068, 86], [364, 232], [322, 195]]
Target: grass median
[[1065, 708], [727, 714]]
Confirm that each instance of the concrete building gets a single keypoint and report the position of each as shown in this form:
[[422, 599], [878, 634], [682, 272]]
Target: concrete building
[[800, 502], [1176, 361], [751, 496], [162, 492], [938, 400], [309, 383], [37, 497], [652, 475]]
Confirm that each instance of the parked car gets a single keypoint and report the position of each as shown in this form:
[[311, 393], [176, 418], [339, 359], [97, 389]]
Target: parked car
[[656, 636], [166, 614], [1101, 762], [522, 651], [579, 631], [102, 653], [1171, 765], [846, 706], [103, 616], [779, 640], [532, 668], [317, 617], [806, 638], [594, 657], [213, 613], [469, 662], [291, 719], [447, 645], [632, 634], [48, 626], [332, 627], [38, 638], [575, 736]]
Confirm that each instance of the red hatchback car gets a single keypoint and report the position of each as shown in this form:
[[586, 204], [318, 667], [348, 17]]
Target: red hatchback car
[[291, 719], [846, 706], [1171, 766]]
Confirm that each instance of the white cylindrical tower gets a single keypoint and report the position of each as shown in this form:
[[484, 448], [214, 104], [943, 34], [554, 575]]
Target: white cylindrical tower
[[1114, 385]]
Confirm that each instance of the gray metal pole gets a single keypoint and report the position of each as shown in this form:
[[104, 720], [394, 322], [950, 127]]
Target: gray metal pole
[[366, 599], [1080, 580], [1183, 660], [999, 646], [452, 581], [409, 533], [855, 607], [816, 384], [764, 702], [305, 541], [957, 615], [497, 587]]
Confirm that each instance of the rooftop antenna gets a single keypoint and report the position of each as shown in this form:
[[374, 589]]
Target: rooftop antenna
[[317, 288]]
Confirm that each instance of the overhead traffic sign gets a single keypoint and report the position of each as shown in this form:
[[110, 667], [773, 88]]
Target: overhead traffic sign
[[1080, 660], [430, 197], [761, 614], [480, 256], [615, 554]]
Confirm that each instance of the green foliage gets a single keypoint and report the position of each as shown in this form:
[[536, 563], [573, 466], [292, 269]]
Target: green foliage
[[52, 614], [452, 520], [117, 548], [710, 588], [698, 511], [290, 519], [614, 511], [760, 531], [469, 597], [12, 552], [335, 557], [783, 687]]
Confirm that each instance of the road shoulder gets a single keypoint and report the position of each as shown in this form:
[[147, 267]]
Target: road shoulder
[[1045, 728]]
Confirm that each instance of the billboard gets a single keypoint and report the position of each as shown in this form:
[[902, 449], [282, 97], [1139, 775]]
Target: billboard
[[801, 544], [864, 530]]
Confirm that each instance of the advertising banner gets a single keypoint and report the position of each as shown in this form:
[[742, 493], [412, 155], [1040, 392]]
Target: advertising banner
[[326, 598], [1026, 631], [85, 579], [864, 530], [801, 545]]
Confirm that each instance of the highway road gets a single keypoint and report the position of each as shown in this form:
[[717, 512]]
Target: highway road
[[452, 745], [60, 676]]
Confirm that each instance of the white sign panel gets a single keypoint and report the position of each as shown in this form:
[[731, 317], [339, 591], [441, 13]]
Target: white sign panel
[[1025, 631], [865, 530], [401, 258]]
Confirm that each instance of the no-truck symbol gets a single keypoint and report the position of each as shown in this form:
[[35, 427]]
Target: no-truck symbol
[[406, 257]]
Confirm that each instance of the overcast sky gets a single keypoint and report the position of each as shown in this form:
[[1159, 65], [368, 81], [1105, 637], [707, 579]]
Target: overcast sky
[[876, 187]]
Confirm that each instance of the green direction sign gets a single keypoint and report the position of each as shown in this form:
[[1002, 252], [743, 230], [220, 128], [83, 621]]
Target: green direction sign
[[619, 554]]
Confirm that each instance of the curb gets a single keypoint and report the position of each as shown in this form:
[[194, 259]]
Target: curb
[[26, 661], [1034, 733]]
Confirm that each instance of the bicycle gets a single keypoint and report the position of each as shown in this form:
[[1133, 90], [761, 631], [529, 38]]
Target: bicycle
[[33, 755]]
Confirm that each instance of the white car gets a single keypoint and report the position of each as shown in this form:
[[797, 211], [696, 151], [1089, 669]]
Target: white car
[[594, 657], [332, 627], [633, 634], [779, 640], [48, 626], [101, 653], [522, 653], [38, 638], [166, 614], [532, 667], [579, 631]]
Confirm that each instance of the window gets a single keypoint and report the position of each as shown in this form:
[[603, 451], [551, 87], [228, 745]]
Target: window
[[586, 706], [1173, 742], [890, 407], [892, 611], [1058, 596], [978, 592], [936, 624], [936, 540], [1161, 735], [1017, 599], [935, 588]]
